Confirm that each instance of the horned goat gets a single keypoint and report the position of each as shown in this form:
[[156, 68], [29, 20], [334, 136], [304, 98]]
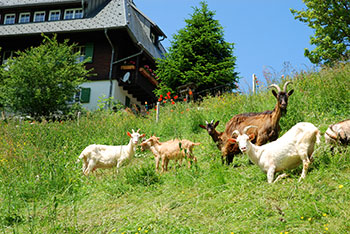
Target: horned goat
[[293, 148], [267, 123], [170, 150], [338, 133], [108, 156]]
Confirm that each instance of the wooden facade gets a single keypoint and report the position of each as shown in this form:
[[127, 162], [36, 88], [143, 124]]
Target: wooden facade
[[118, 40]]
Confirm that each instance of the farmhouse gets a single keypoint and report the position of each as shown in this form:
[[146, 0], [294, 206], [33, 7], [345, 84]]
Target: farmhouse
[[121, 43]]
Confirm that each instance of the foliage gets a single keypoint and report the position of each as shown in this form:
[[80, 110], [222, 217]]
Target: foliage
[[330, 19], [42, 189], [41, 80], [198, 54]]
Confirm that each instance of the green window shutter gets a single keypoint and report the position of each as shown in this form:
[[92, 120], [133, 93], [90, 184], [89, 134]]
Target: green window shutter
[[89, 51], [85, 95]]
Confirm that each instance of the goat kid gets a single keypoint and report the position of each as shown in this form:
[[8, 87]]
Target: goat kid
[[293, 148], [107, 156], [267, 123], [170, 150]]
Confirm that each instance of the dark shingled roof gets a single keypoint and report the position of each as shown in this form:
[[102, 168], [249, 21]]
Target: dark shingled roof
[[116, 14]]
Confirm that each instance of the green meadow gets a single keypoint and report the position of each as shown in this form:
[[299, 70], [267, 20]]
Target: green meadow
[[43, 190]]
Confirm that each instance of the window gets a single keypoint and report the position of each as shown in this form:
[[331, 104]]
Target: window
[[39, 16], [6, 56], [55, 15], [9, 19], [81, 50], [24, 18], [86, 51], [73, 14]]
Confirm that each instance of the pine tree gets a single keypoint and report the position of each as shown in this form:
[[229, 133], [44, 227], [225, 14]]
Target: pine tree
[[198, 54]]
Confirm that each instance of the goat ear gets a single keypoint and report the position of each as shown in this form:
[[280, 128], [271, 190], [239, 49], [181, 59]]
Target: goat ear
[[129, 134], [274, 93], [143, 135], [251, 137], [202, 126], [216, 124], [290, 92], [232, 140]]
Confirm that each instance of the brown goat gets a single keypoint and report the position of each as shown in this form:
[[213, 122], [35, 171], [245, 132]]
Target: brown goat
[[267, 123], [170, 150], [218, 137]]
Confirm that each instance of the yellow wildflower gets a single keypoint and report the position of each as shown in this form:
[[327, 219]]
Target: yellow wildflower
[[326, 228], [340, 186], [139, 229], [324, 214], [310, 219], [301, 217]]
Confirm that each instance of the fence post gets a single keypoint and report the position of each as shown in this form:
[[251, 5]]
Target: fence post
[[254, 83], [79, 113], [157, 116]]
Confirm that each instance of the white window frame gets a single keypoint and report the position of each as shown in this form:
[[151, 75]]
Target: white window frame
[[22, 15], [12, 15], [39, 13], [82, 52], [74, 11], [55, 11]]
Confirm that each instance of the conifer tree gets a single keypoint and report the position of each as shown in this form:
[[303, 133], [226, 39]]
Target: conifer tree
[[198, 54]]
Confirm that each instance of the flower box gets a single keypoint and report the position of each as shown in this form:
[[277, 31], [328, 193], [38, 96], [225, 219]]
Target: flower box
[[148, 76], [127, 67]]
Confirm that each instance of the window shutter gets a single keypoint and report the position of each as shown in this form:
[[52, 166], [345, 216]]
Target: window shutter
[[85, 95], [89, 51]]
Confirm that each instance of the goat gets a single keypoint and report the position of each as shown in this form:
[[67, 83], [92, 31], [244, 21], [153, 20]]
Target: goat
[[338, 133], [267, 123], [218, 137], [169, 150], [289, 151], [107, 156]]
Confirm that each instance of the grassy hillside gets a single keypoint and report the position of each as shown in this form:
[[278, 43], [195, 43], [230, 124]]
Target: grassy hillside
[[42, 189]]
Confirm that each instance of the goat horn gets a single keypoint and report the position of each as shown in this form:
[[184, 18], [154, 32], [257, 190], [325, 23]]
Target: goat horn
[[285, 85], [138, 130], [247, 128], [275, 86], [133, 131], [206, 122], [212, 122], [236, 132]]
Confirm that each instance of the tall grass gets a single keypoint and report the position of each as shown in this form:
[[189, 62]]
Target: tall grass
[[42, 189]]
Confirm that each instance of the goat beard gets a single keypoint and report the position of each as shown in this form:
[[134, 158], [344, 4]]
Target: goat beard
[[283, 112]]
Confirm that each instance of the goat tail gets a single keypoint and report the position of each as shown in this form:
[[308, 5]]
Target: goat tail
[[318, 137]]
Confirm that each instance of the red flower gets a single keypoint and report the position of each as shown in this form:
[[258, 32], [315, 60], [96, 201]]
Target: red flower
[[164, 101], [190, 92], [165, 97], [176, 97], [160, 99], [185, 99], [173, 102], [161, 96]]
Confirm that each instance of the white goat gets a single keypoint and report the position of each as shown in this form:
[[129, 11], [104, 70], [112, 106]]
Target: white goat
[[293, 148], [169, 150], [338, 133], [107, 156]]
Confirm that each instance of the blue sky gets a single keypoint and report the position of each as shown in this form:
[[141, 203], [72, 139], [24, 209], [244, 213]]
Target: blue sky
[[265, 33]]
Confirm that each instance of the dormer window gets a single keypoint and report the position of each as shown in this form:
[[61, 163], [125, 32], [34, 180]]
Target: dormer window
[[55, 15], [24, 18], [9, 19], [73, 14], [39, 16]]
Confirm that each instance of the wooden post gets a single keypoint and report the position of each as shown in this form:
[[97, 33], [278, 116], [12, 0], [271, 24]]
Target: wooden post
[[157, 116], [78, 117], [254, 83]]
